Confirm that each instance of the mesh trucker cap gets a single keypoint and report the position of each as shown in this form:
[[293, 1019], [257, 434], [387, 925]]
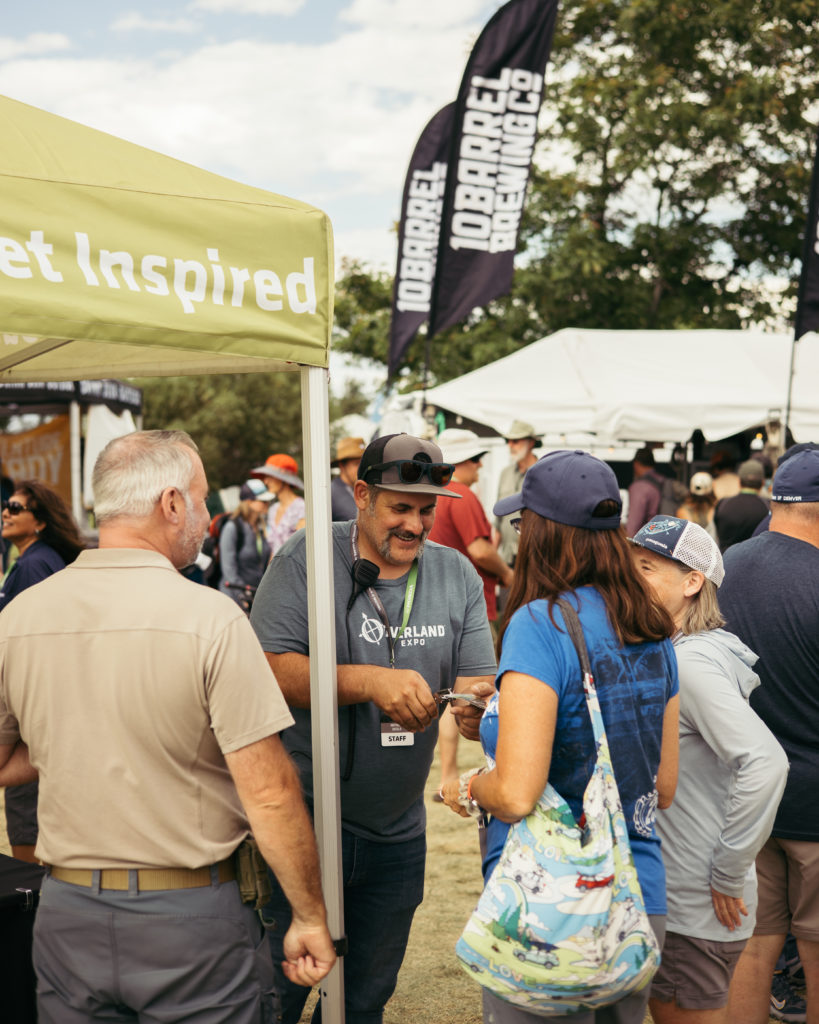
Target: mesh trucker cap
[[401, 462], [567, 487], [683, 541], [255, 490], [797, 479]]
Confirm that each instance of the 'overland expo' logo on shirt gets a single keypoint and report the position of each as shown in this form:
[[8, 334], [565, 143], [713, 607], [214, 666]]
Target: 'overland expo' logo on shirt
[[372, 630]]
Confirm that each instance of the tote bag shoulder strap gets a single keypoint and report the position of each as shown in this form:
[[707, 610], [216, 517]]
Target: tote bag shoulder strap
[[575, 630]]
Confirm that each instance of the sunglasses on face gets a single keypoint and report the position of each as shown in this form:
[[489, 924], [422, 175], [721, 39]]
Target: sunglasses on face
[[14, 508], [411, 472]]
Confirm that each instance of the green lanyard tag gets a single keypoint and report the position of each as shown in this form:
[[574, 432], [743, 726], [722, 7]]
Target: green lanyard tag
[[409, 597]]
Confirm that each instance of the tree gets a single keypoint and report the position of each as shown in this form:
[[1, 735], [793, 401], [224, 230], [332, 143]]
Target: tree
[[237, 420], [671, 183]]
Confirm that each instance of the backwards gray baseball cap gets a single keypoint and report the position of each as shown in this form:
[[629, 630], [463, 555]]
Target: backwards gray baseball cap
[[401, 462]]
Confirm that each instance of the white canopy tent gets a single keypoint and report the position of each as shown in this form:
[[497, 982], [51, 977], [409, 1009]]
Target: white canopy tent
[[643, 385], [115, 260]]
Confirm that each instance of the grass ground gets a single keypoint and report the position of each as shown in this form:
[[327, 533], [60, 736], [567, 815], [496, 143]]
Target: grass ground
[[432, 988]]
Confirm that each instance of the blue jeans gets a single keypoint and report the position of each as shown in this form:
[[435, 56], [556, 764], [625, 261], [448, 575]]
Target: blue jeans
[[383, 886]]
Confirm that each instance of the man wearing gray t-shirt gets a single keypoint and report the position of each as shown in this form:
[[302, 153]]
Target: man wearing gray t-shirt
[[410, 620]]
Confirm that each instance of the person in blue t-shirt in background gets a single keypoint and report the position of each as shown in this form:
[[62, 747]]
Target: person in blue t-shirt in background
[[536, 727]]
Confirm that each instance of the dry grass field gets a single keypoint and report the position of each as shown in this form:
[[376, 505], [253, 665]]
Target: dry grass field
[[432, 988]]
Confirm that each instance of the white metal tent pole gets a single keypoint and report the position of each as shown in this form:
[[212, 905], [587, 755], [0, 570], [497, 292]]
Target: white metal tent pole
[[74, 459], [323, 693]]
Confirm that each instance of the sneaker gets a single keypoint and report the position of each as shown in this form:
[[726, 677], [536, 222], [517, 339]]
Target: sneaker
[[785, 1003]]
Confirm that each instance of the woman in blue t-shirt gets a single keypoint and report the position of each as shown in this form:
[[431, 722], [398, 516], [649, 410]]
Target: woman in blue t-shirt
[[537, 726]]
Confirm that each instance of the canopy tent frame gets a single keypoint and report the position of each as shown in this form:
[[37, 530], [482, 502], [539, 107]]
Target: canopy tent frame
[[164, 298]]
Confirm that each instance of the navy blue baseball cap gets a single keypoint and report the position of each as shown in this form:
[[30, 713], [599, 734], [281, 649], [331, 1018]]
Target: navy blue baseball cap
[[567, 487], [797, 479], [795, 449]]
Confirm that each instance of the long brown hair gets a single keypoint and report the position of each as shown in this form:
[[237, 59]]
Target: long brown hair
[[554, 559], [59, 531]]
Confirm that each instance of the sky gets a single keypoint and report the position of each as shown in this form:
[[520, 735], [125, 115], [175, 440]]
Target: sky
[[320, 100]]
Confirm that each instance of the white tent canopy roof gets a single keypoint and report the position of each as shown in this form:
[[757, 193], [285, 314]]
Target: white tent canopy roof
[[643, 385]]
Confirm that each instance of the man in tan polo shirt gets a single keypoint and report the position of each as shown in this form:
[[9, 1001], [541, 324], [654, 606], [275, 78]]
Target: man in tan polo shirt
[[152, 717]]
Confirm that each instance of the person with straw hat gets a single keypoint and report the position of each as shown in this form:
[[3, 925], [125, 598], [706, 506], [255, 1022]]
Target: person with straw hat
[[522, 441], [348, 456]]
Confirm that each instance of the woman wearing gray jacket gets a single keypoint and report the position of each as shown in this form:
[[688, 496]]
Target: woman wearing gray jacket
[[243, 548], [731, 777]]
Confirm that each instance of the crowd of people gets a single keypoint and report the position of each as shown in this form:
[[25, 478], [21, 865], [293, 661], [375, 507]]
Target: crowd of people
[[171, 731]]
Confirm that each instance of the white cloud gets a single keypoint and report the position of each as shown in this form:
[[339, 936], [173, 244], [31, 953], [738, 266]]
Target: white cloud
[[332, 124], [134, 21], [248, 6], [33, 45], [348, 111], [430, 15]]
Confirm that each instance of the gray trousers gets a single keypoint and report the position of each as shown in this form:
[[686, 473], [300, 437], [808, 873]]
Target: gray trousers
[[197, 955], [631, 1010]]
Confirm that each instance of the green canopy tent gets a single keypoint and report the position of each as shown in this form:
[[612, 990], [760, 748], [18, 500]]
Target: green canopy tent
[[118, 261]]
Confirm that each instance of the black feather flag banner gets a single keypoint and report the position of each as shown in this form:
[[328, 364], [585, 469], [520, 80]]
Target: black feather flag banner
[[807, 306], [493, 142], [418, 234]]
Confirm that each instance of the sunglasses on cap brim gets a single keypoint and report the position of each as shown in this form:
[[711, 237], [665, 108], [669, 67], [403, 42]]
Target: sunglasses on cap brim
[[412, 472]]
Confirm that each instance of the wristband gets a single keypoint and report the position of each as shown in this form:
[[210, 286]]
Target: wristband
[[465, 798]]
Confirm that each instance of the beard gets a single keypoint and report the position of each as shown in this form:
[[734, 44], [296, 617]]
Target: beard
[[193, 536], [369, 526], [384, 546]]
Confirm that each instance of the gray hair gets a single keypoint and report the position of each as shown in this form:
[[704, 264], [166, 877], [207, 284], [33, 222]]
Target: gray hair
[[702, 610], [132, 471]]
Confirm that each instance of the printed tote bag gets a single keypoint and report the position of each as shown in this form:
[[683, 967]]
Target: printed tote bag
[[561, 925]]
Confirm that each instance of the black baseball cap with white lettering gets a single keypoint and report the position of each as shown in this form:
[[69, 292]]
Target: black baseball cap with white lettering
[[401, 462]]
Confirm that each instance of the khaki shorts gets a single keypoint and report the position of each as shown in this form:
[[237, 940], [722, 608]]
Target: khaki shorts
[[787, 873], [696, 973]]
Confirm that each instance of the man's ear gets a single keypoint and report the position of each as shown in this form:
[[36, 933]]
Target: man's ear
[[170, 502], [361, 494]]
